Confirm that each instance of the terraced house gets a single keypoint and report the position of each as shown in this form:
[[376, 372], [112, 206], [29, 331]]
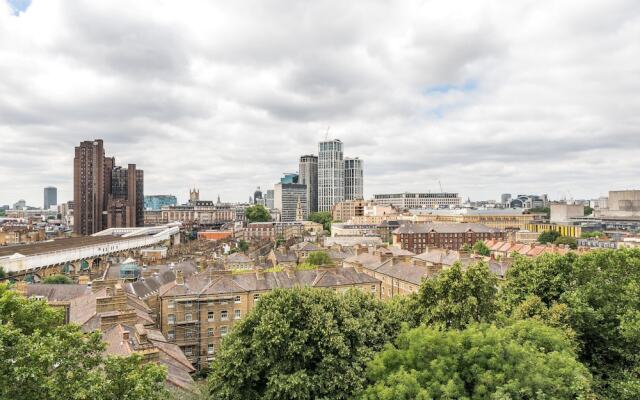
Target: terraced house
[[197, 312]]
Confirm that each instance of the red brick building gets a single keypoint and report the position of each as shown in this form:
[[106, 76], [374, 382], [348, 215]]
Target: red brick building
[[418, 237]]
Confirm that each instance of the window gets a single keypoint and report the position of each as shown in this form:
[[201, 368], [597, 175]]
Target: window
[[210, 316], [187, 317], [171, 304], [237, 314], [223, 301], [188, 351], [382, 289], [236, 300], [224, 315], [210, 348], [210, 332], [188, 334], [256, 297], [187, 304], [373, 289], [171, 319], [171, 335], [223, 331]]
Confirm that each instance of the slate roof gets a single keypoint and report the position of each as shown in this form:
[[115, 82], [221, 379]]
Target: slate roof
[[445, 228], [238, 258], [237, 283], [405, 271], [440, 256]]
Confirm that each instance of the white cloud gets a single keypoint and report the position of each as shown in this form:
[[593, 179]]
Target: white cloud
[[486, 96]]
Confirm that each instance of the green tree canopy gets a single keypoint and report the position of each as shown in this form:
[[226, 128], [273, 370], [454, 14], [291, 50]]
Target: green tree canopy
[[323, 218], [319, 258], [593, 234], [301, 344], [243, 246], [42, 359], [527, 360], [548, 237], [257, 213], [455, 298], [57, 279], [588, 210], [567, 240], [481, 248]]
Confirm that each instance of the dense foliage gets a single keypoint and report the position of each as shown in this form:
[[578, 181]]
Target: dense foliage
[[43, 359], [57, 279], [323, 218], [302, 344], [456, 298], [526, 360], [548, 237], [319, 258], [481, 248], [243, 246], [257, 213]]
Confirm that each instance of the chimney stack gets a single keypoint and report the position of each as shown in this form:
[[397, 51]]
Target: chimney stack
[[179, 277]]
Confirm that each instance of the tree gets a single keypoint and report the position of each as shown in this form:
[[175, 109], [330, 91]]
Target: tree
[[319, 258], [301, 344], [57, 279], [527, 360], [567, 240], [548, 237], [243, 246], [257, 213], [481, 248], [41, 358], [323, 218], [456, 298], [593, 234], [588, 210], [541, 210], [3, 274], [466, 248]]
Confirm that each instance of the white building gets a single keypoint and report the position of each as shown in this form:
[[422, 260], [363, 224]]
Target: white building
[[406, 201], [330, 174]]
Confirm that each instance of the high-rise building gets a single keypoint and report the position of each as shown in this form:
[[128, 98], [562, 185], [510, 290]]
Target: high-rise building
[[88, 187], [257, 196], [287, 197], [125, 207], [330, 174], [309, 176], [104, 194], [353, 179], [269, 199], [50, 197]]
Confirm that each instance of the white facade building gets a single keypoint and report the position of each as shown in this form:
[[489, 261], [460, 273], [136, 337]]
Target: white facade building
[[330, 174], [418, 200], [353, 179]]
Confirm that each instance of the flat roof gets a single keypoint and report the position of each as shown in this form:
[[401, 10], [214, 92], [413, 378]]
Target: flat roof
[[57, 244]]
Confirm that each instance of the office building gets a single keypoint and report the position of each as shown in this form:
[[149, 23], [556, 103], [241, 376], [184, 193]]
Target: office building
[[309, 176], [407, 201], [269, 199], [157, 201], [257, 196], [288, 198], [353, 179], [50, 197], [528, 201], [330, 174]]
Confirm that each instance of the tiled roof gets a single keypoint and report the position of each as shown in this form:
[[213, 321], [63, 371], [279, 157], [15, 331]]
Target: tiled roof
[[404, 271], [238, 258], [440, 256]]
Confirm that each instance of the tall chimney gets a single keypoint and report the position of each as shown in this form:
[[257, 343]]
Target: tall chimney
[[179, 277]]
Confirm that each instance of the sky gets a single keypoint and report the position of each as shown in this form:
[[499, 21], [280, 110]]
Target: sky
[[480, 97]]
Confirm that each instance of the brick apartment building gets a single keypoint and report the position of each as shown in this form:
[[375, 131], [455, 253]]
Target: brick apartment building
[[418, 238]]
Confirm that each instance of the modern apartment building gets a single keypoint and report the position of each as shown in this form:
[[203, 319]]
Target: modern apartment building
[[353, 179], [330, 174], [406, 201], [50, 197], [125, 205], [345, 211], [308, 175]]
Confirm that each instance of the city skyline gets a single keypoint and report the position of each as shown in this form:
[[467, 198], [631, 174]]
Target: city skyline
[[521, 98]]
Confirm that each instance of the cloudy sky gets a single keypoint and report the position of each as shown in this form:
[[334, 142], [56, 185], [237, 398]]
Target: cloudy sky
[[485, 96]]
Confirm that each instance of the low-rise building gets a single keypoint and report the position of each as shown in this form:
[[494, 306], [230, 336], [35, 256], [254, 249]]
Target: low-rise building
[[564, 229], [344, 211], [406, 201], [197, 313], [238, 261], [345, 229], [419, 237]]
